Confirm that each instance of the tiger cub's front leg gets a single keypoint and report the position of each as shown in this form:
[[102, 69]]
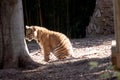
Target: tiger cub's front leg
[[46, 53]]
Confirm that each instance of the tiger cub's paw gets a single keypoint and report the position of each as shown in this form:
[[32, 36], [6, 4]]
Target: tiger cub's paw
[[46, 60]]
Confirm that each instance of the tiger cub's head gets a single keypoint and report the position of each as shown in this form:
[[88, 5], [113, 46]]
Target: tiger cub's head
[[30, 33]]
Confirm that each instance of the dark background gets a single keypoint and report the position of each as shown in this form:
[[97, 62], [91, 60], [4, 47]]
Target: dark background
[[70, 17]]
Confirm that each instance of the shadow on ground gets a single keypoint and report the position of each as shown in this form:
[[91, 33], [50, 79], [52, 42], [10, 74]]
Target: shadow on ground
[[72, 69]]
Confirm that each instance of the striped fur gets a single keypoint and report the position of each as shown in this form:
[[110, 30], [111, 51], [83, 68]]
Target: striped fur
[[50, 41]]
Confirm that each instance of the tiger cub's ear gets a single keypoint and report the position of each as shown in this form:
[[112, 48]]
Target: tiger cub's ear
[[27, 27]]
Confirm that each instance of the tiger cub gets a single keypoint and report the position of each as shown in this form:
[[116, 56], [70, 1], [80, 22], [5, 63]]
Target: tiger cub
[[50, 41]]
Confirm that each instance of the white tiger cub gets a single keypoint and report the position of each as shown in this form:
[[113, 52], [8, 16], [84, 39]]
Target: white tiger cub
[[50, 41]]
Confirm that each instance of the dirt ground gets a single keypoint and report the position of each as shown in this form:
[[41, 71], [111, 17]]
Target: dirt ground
[[92, 62]]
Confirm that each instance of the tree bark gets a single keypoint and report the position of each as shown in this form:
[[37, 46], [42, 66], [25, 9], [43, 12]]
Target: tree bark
[[0, 40], [13, 48], [40, 12]]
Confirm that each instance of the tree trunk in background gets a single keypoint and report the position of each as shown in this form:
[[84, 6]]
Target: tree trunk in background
[[102, 19], [40, 12], [68, 20], [13, 49], [26, 12], [1, 40]]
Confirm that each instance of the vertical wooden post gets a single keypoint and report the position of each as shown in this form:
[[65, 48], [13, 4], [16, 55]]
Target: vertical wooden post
[[116, 43]]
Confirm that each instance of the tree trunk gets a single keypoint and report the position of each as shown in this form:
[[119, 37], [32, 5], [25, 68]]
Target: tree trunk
[[0, 40], [25, 11], [68, 26], [13, 49], [40, 12]]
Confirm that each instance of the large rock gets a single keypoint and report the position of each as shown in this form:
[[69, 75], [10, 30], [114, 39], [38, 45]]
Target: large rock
[[102, 20]]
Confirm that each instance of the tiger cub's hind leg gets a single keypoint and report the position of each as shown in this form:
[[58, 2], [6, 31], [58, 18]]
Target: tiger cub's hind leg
[[64, 56], [62, 53]]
